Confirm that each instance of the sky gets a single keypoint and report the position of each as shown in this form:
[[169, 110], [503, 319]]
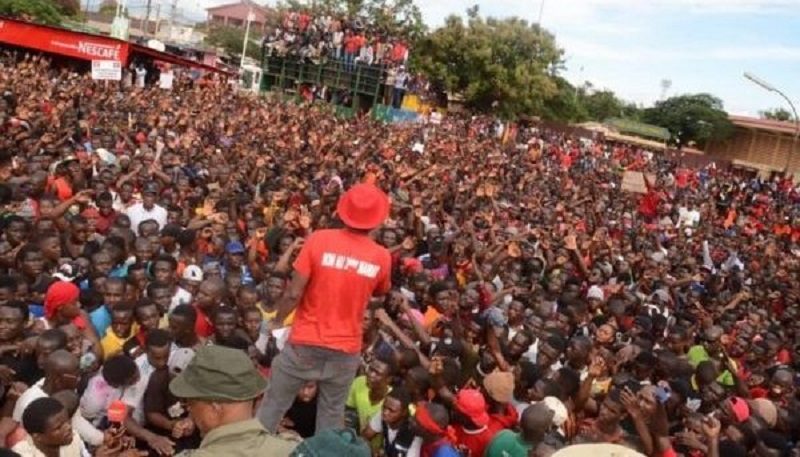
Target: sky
[[631, 46]]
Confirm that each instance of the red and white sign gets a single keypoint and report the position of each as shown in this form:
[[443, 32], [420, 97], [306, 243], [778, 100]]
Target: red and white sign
[[64, 42], [106, 70]]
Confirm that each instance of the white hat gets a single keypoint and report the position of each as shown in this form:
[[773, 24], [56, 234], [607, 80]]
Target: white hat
[[179, 359], [107, 157], [560, 413], [597, 450], [193, 273], [596, 293]]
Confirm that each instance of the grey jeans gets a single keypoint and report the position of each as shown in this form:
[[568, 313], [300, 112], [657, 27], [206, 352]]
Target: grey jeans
[[293, 368]]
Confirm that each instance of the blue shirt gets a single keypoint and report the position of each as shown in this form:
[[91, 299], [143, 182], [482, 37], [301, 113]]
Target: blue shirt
[[36, 311], [120, 271], [446, 451], [101, 320]]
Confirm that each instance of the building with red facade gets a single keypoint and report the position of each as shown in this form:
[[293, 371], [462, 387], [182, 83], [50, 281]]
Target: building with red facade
[[235, 15]]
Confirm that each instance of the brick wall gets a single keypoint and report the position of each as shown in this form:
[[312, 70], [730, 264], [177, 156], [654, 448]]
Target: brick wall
[[768, 149]]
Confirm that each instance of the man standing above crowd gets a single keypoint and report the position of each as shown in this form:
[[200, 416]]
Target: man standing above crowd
[[336, 274]]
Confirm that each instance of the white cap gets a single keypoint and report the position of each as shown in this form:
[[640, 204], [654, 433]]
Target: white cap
[[179, 360], [596, 293], [193, 273], [560, 413]]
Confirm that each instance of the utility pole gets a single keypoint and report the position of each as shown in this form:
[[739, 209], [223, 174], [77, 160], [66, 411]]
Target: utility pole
[[147, 18], [173, 13], [158, 18]]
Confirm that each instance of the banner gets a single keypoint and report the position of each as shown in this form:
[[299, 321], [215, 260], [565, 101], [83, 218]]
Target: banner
[[106, 70], [165, 80], [633, 181], [60, 41]]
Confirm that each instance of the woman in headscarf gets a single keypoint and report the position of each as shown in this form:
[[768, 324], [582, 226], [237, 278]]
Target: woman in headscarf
[[61, 307]]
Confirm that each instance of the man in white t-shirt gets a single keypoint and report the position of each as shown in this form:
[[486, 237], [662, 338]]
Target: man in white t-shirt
[[147, 209], [141, 75], [62, 372], [688, 216], [122, 379]]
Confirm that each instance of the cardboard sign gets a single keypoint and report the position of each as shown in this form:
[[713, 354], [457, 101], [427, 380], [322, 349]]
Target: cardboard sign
[[106, 70], [165, 80], [633, 181]]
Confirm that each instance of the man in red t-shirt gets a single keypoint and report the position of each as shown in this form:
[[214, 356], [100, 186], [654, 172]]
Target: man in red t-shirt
[[336, 274]]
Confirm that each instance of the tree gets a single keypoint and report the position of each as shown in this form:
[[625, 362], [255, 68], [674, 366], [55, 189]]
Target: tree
[[68, 7], [776, 114], [565, 106], [398, 18], [502, 66], [231, 40], [42, 11], [108, 8], [602, 104], [691, 118]]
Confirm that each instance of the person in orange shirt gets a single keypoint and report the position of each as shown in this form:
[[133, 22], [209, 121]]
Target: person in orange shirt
[[61, 181], [336, 274]]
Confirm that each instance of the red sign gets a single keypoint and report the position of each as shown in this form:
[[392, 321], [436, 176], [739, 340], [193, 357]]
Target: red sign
[[64, 42]]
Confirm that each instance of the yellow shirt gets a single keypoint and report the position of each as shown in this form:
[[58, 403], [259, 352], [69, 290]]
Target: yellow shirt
[[112, 344], [270, 315]]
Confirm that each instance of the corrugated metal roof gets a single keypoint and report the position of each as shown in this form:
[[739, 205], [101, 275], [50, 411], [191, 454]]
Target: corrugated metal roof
[[763, 124]]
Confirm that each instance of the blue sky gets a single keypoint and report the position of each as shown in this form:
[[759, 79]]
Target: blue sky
[[630, 46]]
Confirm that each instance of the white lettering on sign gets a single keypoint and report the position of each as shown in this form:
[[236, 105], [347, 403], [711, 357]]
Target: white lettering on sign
[[343, 262], [103, 51]]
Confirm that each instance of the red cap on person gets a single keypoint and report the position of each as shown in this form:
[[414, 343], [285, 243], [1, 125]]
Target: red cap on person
[[470, 402], [740, 408], [363, 207]]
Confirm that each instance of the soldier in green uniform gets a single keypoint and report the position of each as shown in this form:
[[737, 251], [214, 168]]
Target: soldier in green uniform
[[220, 386]]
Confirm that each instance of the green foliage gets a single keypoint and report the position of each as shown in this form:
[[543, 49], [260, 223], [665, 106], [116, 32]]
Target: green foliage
[[502, 66], [777, 114], [602, 104], [231, 40], [694, 118], [565, 105], [108, 8], [68, 7], [42, 11]]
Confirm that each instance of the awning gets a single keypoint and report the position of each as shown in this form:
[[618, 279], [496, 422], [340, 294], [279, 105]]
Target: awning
[[173, 59], [78, 45], [84, 46]]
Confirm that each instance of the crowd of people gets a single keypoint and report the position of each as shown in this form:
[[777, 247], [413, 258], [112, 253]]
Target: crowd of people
[[167, 254], [325, 37]]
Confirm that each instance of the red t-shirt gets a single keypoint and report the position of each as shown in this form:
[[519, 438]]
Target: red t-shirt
[[203, 326], [507, 419], [476, 442], [344, 270]]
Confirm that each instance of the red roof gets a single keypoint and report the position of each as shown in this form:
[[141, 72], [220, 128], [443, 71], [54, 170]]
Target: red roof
[[767, 125], [239, 10]]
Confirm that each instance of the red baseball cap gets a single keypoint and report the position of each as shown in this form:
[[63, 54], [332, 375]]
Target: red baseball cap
[[363, 206], [470, 402]]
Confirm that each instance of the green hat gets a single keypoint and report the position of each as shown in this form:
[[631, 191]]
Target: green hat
[[219, 374]]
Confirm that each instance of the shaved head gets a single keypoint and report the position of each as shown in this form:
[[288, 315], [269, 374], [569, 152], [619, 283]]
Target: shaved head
[[536, 420], [60, 362]]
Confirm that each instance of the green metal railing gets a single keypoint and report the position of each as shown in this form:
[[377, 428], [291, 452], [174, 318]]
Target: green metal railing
[[288, 73]]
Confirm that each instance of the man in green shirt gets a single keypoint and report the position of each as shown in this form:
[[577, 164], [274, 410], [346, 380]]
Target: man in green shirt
[[536, 421], [711, 349]]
